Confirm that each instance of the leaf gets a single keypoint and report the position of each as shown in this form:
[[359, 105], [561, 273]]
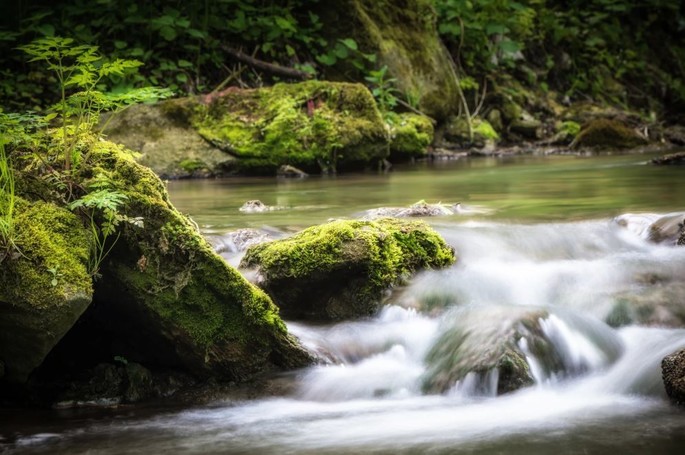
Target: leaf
[[167, 33], [350, 43], [496, 29], [184, 64], [327, 59]]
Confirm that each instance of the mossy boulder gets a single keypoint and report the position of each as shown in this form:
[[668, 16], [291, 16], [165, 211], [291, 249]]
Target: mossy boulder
[[405, 39], [167, 299], [410, 136], [457, 130], [673, 374], [341, 269], [44, 291], [605, 133], [315, 126], [167, 142]]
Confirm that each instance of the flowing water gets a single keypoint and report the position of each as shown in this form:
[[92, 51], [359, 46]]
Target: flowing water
[[537, 242]]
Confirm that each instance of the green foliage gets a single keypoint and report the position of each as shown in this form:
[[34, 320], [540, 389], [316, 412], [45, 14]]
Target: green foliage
[[182, 43], [383, 89], [101, 206], [82, 71], [486, 34], [7, 202], [611, 50]]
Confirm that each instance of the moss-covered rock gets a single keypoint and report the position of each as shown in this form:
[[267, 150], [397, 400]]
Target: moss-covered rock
[[44, 291], [340, 269], [405, 39], [168, 299], [457, 130], [166, 140], [315, 126], [605, 133], [410, 136], [673, 374]]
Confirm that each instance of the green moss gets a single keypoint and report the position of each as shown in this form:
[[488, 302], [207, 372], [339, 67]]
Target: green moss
[[312, 125], [192, 165], [410, 135], [44, 291], [49, 237], [484, 129], [570, 128], [457, 130], [340, 269]]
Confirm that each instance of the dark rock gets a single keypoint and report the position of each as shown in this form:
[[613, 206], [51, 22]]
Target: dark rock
[[604, 133], [670, 159], [675, 134], [341, 269], [673, 374]]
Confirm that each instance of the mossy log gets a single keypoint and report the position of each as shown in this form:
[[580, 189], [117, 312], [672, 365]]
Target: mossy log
[[340, 270]]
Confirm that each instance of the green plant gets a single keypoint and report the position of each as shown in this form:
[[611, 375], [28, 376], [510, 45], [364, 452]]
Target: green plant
[[56, 274], [383, 89], [101, 207], [7, 203], [81, 70]]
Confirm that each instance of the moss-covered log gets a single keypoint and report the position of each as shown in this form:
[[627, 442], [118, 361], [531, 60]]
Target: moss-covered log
[[340, 269]]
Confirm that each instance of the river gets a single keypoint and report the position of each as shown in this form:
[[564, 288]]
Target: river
[[537, 236]]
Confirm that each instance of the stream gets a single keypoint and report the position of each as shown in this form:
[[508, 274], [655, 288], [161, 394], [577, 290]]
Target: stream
[[537, 239]]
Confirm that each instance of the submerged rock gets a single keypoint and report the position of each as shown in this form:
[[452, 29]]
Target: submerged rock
[[657, 304], [341, 269], [673, 374], [424, 209], [496, 350], [257, 206], [43, 291], [657, 228], [240, 240], [315, 126]]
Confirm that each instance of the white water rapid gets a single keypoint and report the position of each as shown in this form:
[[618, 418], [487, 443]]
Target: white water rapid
[[394, 383]]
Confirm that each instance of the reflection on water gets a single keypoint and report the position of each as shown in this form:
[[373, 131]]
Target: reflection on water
[[517, 188], [534, 253]]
